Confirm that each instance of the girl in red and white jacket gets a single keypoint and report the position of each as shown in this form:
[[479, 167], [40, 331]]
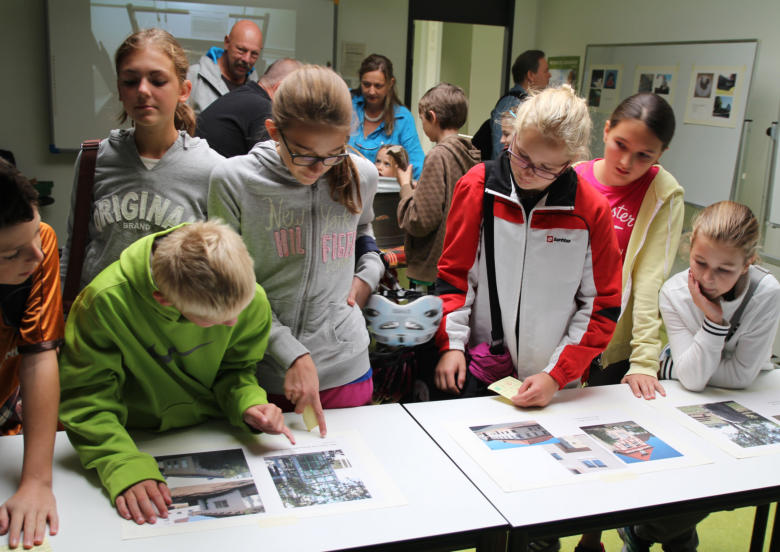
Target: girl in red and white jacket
[[557, 261]]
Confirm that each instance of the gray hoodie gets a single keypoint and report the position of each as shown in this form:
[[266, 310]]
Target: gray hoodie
[[304, 247], [130, 201]]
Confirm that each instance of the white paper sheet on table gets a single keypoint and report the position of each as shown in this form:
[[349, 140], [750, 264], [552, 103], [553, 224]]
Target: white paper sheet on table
[[315, 477]]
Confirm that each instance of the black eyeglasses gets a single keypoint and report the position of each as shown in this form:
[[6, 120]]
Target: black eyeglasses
[[525, 163], [309, 160]]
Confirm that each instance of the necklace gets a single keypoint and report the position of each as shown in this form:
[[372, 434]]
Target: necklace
[[373, 119]]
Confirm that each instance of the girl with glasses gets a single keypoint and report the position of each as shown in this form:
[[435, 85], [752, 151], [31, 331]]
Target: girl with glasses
[[557, 266], [302, 204], [381, 117]]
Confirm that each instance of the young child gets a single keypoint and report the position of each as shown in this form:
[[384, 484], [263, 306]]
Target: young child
[[166, 337], [389, 159], [557, 265], [31, 329], [154, 175], [699, 307], [507, 127], [647, 212], [422, 211], [303, 206], [697, 304]]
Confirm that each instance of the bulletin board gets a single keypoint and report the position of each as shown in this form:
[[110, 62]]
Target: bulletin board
[[706, 83]]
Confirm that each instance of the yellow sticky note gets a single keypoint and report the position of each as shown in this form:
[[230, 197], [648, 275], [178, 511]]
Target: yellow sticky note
[[45, 547], [506, 387], [309, 418]]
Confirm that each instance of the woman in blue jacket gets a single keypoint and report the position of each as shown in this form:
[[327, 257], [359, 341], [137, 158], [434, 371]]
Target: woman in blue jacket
[[382, 119]]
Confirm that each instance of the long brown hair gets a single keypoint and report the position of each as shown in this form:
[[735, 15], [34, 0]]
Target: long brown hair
[[317, 95], [184, 117], [378, 62]]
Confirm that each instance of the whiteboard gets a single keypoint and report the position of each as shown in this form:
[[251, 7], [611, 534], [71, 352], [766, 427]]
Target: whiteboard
[[773, 217], [703, 158], [84, 35]]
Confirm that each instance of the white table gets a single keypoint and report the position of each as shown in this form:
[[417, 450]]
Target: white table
[[443, 508], [561, 510]]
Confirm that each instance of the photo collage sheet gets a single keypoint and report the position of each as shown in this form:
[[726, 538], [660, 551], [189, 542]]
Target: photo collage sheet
[[713, 95], [562, 444], [742, 423], [233, 486]]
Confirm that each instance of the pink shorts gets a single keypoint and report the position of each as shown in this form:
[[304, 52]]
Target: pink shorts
[[344, 396]]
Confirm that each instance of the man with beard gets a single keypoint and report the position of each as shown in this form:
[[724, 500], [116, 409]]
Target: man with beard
[[224, 69]]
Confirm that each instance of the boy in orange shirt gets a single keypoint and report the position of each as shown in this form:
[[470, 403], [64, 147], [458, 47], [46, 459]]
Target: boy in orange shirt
[[31, 330]]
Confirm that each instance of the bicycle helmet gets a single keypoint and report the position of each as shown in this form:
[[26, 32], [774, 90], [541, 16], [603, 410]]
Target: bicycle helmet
[[403, 318]]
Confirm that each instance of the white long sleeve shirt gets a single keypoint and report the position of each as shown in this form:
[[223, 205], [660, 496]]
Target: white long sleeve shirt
[[700, 352]]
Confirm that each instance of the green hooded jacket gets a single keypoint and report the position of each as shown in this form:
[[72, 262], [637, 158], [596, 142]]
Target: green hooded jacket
[[129, 362]]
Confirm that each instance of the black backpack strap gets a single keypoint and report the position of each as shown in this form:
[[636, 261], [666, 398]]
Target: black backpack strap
[[497, 329]]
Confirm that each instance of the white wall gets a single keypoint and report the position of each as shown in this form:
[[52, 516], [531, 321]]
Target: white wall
[[24, 100]]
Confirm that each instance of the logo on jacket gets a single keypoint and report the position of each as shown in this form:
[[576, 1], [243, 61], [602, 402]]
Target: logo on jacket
[[553, 239], [172, 350]]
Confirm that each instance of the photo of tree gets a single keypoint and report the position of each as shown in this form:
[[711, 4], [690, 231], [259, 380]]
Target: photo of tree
[[316, 478], [737, 423]]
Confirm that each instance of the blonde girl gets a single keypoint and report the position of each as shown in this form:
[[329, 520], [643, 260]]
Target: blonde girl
[[557, 267], [647, 212], [154, 175], [698, 305], [303, 206]]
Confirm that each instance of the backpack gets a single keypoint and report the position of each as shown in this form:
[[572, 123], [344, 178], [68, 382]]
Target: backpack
[[483, 138]]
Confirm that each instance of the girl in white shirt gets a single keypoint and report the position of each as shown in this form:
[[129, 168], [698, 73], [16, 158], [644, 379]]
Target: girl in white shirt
[[698, 305]]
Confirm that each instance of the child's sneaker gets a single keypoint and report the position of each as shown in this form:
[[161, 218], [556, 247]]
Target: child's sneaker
[[631, 542]]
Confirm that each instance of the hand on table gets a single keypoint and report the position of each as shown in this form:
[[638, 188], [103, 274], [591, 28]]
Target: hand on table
[[28, 511], [144, 501], [536, 390], [643, 385]]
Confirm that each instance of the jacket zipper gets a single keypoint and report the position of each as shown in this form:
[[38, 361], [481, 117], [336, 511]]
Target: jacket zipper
[[303, 304]]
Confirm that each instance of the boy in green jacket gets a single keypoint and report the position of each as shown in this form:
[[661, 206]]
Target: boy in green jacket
[[167, 336]]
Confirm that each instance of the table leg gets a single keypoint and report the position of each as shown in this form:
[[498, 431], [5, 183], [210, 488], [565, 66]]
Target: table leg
[[759, 528]]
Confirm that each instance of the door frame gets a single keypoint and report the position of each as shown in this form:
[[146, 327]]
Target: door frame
[[499, 13]]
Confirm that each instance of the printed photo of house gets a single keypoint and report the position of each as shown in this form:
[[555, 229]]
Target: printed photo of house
[[513, 435], [630, 442]]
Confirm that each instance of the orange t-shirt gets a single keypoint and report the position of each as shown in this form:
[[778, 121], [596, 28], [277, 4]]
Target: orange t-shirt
[[34, 325]]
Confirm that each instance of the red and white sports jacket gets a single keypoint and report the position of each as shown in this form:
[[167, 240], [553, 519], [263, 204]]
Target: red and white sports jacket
[[558, 277]]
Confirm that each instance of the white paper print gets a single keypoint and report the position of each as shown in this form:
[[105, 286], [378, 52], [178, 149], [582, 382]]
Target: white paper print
[[224, 488], [661, 80], [603, 87], [714, 94], [744, 424], [544, 448]]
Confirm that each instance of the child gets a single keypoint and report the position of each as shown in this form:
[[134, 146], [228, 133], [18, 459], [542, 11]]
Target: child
[[154, 175], [391, 158], [697, 304], [303, 206], [422, 211], [709, 346], [166, 337], [31, 329], [647, 212], [507, 127], [557, 265]]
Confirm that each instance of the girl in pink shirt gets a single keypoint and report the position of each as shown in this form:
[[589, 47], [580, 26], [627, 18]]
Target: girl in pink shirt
[[647, 212]]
